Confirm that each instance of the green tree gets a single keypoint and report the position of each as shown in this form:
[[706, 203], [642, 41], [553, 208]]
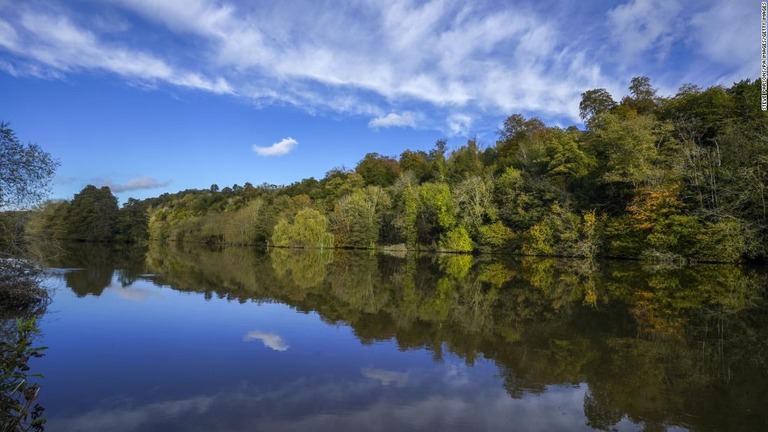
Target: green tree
[[465, 162], [407, 215], [438, 161], [564, 233], [563, 159], [48, 221], [356, 218], [495, 237], [642, 97], [92, 215], [632, 151], [473, 198], [519, 207], [594, 102], [239, 226], [518, 136], [338, 183], [436, 213], [308, 230], [416, 162], [378, 170], [132, 224], [25, 173]]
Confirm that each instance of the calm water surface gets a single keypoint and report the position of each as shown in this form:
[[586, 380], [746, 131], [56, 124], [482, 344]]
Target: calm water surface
[[189, 339]]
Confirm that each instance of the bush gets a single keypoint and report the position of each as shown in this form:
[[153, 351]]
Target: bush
[[456, 240], [539, 240], [20, 290], [564, 233], [674, 235], [495, 237], [725, 240], [18, 412]]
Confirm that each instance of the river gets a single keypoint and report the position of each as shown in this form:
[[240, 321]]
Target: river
[[185, 338]]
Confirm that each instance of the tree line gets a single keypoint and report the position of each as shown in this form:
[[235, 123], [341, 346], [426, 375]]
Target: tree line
[[668, 178]]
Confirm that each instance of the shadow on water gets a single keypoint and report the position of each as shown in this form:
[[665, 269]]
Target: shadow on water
[[93, 265], [660, 346]]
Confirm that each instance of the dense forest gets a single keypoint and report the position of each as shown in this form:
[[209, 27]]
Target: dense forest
[[665, 178]]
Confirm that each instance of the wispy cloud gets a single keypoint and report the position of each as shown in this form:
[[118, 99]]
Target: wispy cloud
[[716, 37], [459, 124], [134, 184], [641, 25], [282, 147], [310, 404], [448, 60], [60, 44], [270, 340], [386, 377], [130, 418]]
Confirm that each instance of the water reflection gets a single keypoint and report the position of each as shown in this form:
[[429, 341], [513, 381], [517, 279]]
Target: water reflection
[[612, 345], [270, 340]]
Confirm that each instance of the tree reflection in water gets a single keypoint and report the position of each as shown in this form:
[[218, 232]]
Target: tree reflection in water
[[661, 346]]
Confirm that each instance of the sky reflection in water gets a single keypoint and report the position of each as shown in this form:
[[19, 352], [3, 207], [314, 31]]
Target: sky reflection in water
[[151, 358], [280, 345]]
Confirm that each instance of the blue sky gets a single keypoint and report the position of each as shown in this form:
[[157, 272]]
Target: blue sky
[[151, 96]]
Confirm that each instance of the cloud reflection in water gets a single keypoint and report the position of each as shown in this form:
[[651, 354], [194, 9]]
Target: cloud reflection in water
[[270, 340]]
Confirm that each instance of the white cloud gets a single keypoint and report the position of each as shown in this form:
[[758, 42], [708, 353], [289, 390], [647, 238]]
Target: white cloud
[[133, 418], [309, 404], [383, 60], [270, 340], [371, 58], [57, 42], [284, 146], [393, 120], [728, 33], [459, 124], [8, 36], [134, 184], [641, 25]]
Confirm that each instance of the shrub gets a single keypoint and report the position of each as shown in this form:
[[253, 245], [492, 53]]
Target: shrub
[[495, 237], [456, 240], [308, 230], [18, 411]]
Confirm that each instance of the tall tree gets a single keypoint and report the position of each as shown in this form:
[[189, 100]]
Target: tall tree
[[25, 170], [594, 102], [92, 215], [378, 170], [642, 97], [417, 162], [465, 162], [516, 140], [356, 218], [132, 221]]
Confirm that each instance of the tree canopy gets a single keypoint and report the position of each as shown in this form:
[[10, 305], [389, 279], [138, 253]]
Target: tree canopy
[[674, 178]]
